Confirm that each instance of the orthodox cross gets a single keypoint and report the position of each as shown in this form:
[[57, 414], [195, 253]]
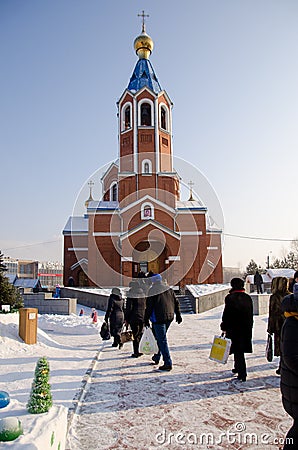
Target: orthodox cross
[[190, 184], [91, 184], [143, 15]]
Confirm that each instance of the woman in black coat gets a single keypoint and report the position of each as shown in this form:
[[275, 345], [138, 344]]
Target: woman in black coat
[[134, 314], [289, 364], [237, 323], [116, 315]]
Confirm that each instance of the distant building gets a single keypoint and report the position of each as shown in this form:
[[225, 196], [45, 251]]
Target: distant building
[[48, 273]]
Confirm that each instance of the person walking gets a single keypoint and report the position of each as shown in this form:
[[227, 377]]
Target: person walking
[[289, 364], [161, 308], [293, 281], [115, 314], [237, 323], [279, 289], [258, 281], [134, 314]]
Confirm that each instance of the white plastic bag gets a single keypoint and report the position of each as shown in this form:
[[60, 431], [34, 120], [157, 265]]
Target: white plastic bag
[[148, 344]]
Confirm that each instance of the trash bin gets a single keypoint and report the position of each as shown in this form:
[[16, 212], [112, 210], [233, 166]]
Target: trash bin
[[28, 325]]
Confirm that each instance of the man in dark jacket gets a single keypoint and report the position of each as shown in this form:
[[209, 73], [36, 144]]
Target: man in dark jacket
[[237, 323], [258, 281], [115, 314], [162, 305], [289, 364], [134, 314]]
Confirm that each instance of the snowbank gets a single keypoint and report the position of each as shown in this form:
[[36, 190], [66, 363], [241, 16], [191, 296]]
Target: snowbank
[[70, 344]]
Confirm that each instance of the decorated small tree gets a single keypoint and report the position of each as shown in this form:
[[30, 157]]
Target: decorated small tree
[[40, 400]]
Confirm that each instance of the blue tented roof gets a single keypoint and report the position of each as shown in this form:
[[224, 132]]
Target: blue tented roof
[[143, 75]]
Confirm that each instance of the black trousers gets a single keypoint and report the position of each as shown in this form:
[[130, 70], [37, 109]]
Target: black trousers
[[291, 440], [240, 364], [137, 331]]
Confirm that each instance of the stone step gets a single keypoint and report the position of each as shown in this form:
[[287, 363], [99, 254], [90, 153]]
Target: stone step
[[185, 304]]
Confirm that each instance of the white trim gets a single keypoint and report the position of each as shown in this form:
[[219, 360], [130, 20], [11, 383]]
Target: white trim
[[113, 183], [157, 164], [126, 258], [144, 206], [78, 249], [212, 248], [191, 233], [143, 167], [122, 116], [192, 211], [106, 233], [135, 137], [174, 258], [210, 263], [145, 224], [79, 263], [75, 233], [145, 100], [149, 198]]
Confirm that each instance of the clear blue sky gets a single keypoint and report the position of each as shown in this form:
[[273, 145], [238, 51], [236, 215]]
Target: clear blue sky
[[230, 68]]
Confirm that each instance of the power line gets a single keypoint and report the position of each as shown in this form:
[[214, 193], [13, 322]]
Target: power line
[[30, 245], [255, 238]]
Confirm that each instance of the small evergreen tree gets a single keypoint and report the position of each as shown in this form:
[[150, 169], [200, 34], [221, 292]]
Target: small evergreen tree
[[40, 400], [251, 268], [9, 295]]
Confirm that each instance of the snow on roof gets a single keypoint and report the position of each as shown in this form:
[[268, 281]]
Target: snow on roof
[[76, 224], [197, 290], [270, 274], [190, 204], [273, 273], [96, 205]]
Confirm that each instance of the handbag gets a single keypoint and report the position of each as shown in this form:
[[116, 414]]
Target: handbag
[[148, 344], [126, 336], [269, 348], [220, 349], [105, 332]]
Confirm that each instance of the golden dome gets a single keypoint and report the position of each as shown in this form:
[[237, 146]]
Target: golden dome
[[143, 45]]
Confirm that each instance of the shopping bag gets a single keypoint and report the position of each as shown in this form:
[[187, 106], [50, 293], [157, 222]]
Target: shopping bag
[[126, 336], [220, 349], [148, 344], [269, 348], [105, 332]]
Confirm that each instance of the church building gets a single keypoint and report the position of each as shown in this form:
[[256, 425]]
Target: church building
[[140, 224]]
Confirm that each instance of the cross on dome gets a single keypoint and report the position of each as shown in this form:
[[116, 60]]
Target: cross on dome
[[143, 15]]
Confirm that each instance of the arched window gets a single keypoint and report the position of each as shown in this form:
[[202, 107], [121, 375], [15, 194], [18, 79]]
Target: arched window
[[114, 192], [147, 211], [126, 116], [127, 123], [164, 117], [146, 114], [146, 167]]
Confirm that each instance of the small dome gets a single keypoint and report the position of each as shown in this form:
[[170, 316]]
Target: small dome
[[143, 45]]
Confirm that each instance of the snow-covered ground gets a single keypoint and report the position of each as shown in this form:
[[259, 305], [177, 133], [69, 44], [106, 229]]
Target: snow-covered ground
[[129, 404]]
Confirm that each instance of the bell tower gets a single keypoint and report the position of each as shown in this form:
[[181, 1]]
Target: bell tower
[[145, 132]]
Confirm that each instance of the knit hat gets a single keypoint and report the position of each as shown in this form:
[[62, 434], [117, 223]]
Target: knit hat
[[237, 283], [156, 278], [116, 291]]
